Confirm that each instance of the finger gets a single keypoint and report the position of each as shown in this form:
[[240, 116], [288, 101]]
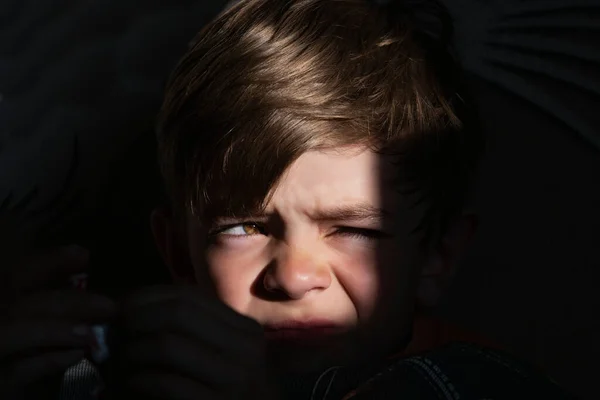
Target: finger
[[27, 336], [32, 369], [154, 385], [73, 305], [41, 270], [177, 317], [187, 358], [158, 294]]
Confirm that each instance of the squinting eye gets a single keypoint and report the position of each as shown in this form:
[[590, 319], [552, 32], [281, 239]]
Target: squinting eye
[[360, 233], [245, 229]]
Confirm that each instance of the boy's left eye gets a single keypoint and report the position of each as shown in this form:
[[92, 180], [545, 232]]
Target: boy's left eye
[[360, 233]]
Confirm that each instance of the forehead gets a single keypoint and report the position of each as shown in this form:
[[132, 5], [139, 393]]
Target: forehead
[[330, 178]]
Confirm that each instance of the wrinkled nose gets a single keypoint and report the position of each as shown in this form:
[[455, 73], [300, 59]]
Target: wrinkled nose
[[296, 273]]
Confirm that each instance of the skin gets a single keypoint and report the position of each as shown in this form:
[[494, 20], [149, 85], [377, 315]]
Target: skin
[[301, 260]]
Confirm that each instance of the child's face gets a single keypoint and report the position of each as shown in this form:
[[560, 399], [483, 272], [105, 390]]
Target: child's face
[[334, 247]]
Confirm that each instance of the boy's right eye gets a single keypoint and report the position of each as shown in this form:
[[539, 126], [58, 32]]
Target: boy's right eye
[[242, 229]]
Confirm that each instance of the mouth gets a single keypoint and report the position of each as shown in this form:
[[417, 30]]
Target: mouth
[[302, 332]]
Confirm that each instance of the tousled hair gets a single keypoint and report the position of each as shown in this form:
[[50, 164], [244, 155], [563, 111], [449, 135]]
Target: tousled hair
[[269, 80]]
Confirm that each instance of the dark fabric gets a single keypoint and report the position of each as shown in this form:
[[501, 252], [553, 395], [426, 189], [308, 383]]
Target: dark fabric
[[81, 382], [461, 371], [456, 371]]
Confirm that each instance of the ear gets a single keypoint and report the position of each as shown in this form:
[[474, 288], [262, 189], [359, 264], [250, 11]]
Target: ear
[[441, 264], [170, 241]]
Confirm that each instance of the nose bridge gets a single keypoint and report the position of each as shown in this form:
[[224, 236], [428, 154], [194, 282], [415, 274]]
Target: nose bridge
[[297, 248], [298, 270], [295, 257]]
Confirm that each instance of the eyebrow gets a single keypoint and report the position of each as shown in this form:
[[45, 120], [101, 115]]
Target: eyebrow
[[353, 212]]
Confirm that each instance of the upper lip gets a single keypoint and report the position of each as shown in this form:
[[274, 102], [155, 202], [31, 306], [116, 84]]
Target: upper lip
[[301, 325]]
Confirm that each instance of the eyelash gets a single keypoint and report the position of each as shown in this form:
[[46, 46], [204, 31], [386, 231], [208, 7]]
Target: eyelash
[[360, 233]]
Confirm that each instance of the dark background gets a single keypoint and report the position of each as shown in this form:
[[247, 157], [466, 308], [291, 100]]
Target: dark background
[[80, 82]]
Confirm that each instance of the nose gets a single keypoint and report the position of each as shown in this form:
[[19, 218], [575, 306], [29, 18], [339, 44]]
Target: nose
[[296, 273]]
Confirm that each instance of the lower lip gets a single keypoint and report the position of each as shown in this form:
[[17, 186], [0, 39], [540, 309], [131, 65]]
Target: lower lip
[[302, 336]]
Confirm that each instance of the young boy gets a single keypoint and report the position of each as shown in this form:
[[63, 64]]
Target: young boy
[[317, 155]]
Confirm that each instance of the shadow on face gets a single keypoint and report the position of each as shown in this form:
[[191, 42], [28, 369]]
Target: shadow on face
[[334, 268]]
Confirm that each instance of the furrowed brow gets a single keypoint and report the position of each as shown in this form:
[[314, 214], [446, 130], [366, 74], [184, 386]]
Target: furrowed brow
[[353, 212]]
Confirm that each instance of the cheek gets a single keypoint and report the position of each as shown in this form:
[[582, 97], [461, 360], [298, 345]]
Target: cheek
[[358, 273], [377, 278], [231, 276]]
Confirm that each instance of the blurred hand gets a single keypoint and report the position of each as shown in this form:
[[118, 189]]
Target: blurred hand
[[176, 344], [44, 325]]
